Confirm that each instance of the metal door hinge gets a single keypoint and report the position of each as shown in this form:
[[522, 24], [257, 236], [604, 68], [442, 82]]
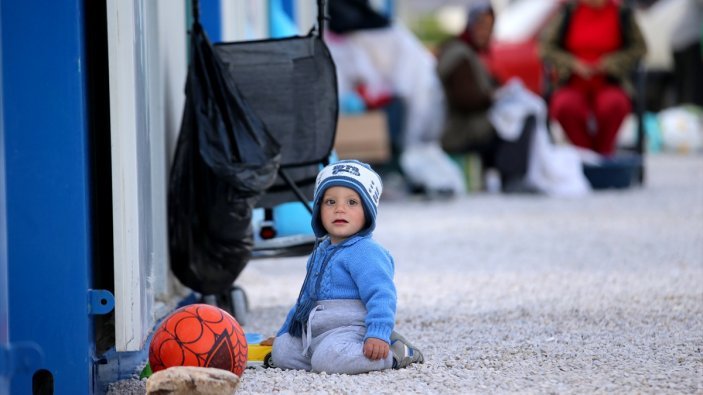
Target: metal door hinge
[[100, 301]]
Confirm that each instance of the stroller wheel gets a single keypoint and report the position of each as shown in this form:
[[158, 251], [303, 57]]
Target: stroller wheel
[[239, 304]]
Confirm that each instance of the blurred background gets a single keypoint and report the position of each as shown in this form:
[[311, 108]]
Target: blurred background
[[670, 69], [519, 22]]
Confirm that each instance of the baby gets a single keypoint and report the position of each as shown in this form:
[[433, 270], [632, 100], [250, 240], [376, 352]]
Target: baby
[[344, 317]]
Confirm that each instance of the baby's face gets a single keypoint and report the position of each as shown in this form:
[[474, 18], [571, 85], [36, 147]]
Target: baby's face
[[341, 213]]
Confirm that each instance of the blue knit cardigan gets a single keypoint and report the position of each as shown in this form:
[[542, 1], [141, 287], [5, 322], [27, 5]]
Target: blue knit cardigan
[[357, 268]]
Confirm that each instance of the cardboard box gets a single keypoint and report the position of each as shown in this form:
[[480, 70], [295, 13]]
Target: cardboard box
[[364, 137]]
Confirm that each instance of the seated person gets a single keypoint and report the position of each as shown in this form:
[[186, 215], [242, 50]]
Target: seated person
[[383, 63], [593, 45], [469, 90]]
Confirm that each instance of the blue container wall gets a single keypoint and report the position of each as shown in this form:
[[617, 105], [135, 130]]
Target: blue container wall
[[211, 19], [4, 336], [47, 188]]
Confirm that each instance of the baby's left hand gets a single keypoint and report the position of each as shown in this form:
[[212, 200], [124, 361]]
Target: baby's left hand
[[375, 349]]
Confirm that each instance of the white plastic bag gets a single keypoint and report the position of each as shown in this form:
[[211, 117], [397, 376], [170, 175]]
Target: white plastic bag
[[426, 165]]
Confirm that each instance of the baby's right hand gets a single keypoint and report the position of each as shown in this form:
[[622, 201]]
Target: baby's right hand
[[268, 342], [375, 349]]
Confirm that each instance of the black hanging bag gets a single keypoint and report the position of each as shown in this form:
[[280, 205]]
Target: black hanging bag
[[225, 159]]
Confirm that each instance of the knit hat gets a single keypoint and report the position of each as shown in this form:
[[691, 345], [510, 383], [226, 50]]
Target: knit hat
[[351, 174]]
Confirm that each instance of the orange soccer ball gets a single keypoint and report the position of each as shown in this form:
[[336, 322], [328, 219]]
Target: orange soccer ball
[[199, 335]]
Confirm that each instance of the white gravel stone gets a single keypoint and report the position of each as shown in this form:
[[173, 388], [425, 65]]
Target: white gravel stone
[[528, 294]]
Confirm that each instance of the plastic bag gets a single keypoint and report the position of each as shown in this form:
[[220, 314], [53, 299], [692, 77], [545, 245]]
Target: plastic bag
[[682, 129], [225, 159], [429, 167]]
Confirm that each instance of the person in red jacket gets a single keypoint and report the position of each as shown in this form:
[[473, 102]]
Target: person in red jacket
[[593, 45]]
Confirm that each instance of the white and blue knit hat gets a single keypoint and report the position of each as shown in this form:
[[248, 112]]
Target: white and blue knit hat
[[351, 174]]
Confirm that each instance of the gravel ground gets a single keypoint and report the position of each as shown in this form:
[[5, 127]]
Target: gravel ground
[[527, 294]]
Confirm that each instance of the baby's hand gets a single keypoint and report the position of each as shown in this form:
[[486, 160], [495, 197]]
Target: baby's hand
[[267, 342], [375, 349]]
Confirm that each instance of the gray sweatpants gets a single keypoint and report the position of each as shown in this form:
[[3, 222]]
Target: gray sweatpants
[[333, 341]]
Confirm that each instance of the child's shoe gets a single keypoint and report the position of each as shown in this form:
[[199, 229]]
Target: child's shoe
[[404, 353]]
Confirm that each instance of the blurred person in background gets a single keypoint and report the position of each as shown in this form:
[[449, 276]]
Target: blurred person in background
[[593, 46], [506, 124], [469, 90]]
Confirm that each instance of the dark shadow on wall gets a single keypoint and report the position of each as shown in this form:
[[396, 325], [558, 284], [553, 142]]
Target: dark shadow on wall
[[98, 118]]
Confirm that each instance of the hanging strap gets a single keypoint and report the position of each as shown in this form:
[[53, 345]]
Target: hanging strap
[[195, 5], [321, 16]]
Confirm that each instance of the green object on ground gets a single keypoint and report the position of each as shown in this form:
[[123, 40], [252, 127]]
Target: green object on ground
[[146, 372], [471, 167]]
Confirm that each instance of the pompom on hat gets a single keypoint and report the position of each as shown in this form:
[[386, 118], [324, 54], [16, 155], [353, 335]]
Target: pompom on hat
[[351, 174]]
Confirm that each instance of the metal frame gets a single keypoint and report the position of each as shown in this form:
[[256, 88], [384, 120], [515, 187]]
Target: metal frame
[[47, 196]]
